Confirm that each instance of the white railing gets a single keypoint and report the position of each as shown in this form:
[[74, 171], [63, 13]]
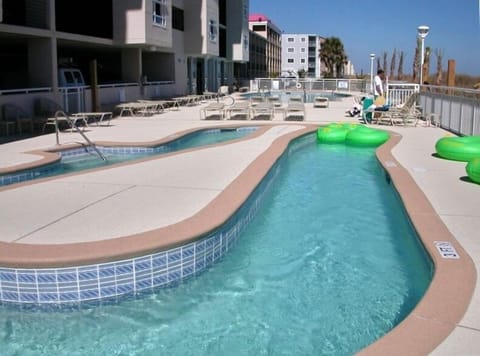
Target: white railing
[[25, 91], [308, 84]]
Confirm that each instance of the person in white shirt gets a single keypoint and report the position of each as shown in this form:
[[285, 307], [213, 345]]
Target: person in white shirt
[[379, 78]]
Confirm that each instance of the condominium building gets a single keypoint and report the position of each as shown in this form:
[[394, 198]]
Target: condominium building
[[266, 38], [301, 53], [127, 49]]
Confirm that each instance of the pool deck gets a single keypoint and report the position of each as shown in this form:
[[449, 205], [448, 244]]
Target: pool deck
[[95, 216]]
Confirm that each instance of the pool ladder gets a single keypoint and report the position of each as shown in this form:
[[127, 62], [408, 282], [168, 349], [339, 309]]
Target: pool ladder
[[64, 117]]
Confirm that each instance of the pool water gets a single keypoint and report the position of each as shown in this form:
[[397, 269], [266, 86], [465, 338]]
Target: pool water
[[329, 265], [82, 159]]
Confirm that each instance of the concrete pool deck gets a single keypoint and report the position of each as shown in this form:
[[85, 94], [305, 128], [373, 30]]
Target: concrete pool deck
[[113, 203]]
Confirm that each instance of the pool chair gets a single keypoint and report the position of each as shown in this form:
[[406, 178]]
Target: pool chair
[[295, 99], [405, 114], [295, 112], [320, 102], [12, 113], [257, 99], [238, 110], [213, 111], [263, 111]]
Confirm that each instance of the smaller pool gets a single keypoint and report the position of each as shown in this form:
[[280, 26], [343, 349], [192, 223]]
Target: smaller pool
[[79, 159], [307, 97]]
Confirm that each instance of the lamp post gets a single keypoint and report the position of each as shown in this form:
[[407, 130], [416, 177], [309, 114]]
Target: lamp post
[[422, 33], [372, 58]]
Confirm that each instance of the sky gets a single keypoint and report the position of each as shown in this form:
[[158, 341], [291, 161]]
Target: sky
[[368, 26]]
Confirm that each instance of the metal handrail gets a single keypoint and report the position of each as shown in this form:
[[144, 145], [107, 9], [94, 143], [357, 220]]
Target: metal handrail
[[72, 124]]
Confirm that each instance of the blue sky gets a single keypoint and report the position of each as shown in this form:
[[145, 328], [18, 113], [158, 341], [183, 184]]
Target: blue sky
[[367, 26]]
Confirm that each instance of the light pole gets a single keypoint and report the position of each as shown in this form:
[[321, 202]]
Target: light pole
[[372, 58], [422, 33]]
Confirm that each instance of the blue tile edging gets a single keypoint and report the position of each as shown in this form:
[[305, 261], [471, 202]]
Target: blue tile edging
[[96, 282]]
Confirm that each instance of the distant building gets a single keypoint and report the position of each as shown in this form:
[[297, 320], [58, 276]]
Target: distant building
[[266, 47], [301, 52], [348, 69], [142, 48]]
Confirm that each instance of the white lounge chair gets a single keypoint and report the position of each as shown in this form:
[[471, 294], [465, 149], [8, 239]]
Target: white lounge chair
[[295, 111], [263, 110], [239, 109], [320, 102], [213, 111], [406, 114]]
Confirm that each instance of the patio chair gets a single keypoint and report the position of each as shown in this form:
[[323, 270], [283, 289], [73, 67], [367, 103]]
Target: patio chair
[[406, 114], [295, 111], [295, 99], [239, 109], [7, 126], [14, 113], [263, 111], [320, 102], [213, 111], [257, 99]]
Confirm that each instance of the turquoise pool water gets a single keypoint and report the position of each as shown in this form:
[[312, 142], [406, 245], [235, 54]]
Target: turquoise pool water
[[80, 159], [329, 265]]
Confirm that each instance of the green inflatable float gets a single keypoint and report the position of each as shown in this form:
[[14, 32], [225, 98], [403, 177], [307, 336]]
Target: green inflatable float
[[458, 148], [352, 134], [473, 170], [366, 136], [334, 133]]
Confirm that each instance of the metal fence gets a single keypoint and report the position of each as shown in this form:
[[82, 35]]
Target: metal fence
[[455, 109]]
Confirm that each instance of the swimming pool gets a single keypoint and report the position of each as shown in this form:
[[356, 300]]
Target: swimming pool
[[79, 159], [328, 265]]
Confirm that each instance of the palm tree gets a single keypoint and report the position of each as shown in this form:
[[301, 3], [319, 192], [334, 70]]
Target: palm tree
[[438, 78], [393, 63], [400, 66], [332, 54], [426, 64]]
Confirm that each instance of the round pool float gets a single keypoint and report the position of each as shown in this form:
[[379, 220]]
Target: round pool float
[[458, 148], [473, 170], [334, 133], [366, 136]]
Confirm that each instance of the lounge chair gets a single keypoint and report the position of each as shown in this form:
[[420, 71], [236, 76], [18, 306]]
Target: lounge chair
[[14, 113], [60, 118], [241, 109], [320, 102], [295, 99], [406, 114], [263, 110], [213, 111], [295, 111], [7, 125], [257, 99]]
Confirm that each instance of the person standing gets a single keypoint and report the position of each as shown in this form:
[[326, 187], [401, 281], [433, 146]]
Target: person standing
[[379, 79]]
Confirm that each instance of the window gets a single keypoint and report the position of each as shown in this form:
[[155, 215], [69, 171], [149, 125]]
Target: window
[[303, 49], [259, 28], [160, 12], [302, 60], [290, 39], [177, 19], [212, 31], [245, 41], [290, 60], [290, 49], [302, 39]]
